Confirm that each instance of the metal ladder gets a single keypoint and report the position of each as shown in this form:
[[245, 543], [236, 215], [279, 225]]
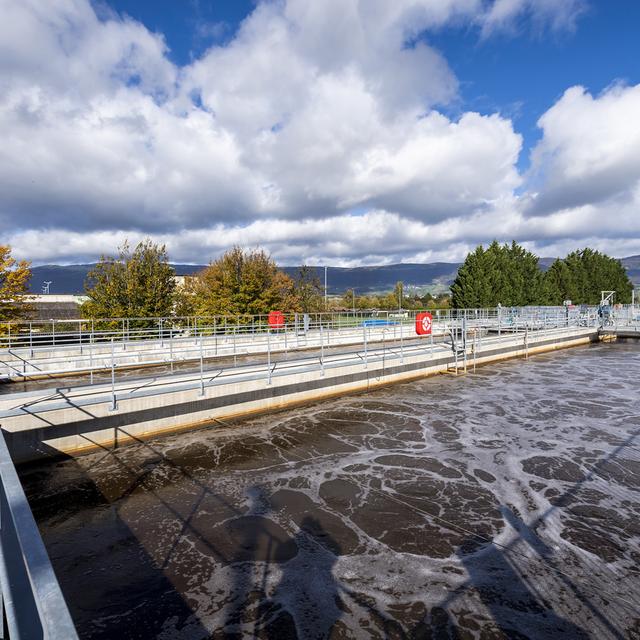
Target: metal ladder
[[458, 336]]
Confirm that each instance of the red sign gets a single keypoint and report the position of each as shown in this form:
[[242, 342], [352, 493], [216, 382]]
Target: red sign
[[424, 323], [276, 319]]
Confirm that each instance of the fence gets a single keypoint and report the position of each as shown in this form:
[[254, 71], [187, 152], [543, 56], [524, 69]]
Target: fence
[[61, 332], [177, 342]]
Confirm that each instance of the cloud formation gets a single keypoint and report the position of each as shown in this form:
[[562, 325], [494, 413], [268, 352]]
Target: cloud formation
[[317, 131]]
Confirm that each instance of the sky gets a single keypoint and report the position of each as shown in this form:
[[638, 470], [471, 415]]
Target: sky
[[340, 132]]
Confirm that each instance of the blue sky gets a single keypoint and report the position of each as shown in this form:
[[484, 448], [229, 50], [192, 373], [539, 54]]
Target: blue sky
[[343, 132], [518, 73]]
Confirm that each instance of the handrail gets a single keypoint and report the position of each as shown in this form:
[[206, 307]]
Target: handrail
[[34, 606], [87, 395], [80, 331]]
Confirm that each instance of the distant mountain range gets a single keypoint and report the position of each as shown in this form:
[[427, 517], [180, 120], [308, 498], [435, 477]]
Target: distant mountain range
[[435, 277]]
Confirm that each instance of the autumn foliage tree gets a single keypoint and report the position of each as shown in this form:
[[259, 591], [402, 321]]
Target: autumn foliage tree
[[240, 282], [14, 285], [309, 290], [136, 284]]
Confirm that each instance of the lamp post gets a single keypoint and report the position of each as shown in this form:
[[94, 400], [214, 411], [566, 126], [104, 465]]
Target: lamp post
[[325, 289]]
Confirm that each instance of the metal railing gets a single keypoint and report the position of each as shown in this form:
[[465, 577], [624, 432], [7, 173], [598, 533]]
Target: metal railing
[[462, 347], [97, 352], [61, 332], [33, 604]]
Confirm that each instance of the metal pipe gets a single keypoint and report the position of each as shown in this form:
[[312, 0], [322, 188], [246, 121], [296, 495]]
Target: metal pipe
[[171, 348]]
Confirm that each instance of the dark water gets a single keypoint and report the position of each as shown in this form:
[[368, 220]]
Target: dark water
[[503, 504]]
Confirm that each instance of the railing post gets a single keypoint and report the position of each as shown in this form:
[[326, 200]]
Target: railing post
[[114, 404], [171, 348], [321, 351], [268, 356], [201, 368], [364, 333], [91, 360], [235, 329], [401, 346]]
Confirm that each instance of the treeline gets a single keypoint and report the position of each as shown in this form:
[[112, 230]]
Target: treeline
[[510, 275], [396, 299], [140, 283]]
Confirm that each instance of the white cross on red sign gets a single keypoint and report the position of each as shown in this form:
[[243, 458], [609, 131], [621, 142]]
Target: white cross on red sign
[[424, 323]]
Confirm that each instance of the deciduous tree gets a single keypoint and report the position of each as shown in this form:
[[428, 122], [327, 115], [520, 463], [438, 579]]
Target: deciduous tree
[[136, 284], [309, 290], [14, 286], [243, 282]]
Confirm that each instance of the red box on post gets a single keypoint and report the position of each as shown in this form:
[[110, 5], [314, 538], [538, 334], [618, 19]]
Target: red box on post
[[424, 323], [276, 320]]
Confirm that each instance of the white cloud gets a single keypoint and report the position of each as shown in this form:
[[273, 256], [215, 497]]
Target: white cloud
[[590, 150], [507, 15], [315, 132]]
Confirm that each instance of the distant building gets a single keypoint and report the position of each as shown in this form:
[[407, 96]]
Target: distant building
[[181, 280], [60, 307]]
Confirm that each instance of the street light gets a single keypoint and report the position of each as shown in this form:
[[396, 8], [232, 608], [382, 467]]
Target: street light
[[325, 289]]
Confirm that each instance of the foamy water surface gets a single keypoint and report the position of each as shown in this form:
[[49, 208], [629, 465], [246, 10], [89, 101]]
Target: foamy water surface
[[501, 504]]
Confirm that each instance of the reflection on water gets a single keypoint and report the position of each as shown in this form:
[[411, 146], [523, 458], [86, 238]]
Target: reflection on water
[[503, 504]]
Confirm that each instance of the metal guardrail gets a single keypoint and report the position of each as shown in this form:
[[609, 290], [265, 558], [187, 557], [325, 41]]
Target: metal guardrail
[[235, 341], [463, 345], [84, 331], [33, 605]]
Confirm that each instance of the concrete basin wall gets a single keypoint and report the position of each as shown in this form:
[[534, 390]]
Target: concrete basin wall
[[73, 420]]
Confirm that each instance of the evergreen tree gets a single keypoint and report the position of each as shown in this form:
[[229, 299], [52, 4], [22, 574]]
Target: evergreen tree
[[138, 284], [559, 283], [583, 275], [501, 274]]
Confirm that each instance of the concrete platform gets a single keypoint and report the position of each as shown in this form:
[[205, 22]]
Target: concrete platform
[[74, 419]]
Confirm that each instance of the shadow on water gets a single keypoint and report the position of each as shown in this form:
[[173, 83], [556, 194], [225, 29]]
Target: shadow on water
[[130, 597], [137, 594], [518, 609], [281, 585]]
